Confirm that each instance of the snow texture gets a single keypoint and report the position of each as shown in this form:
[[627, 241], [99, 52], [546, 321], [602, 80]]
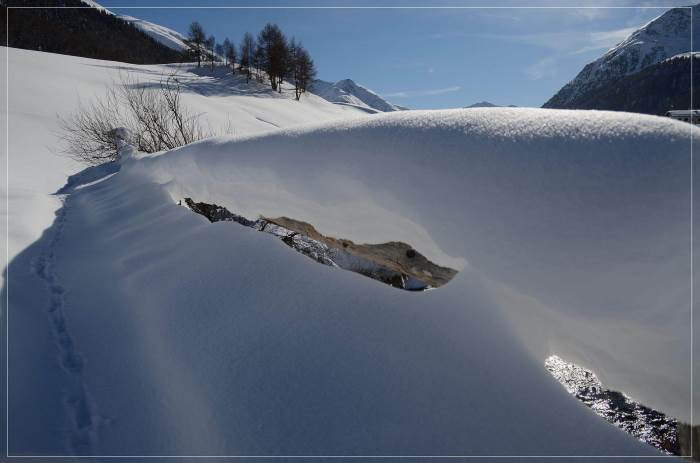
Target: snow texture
[[581, 218], [137, 327]]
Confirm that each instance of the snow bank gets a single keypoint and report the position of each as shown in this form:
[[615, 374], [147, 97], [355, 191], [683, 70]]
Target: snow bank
[[578, 220], [214, 339], [136, 327], [43, 86]]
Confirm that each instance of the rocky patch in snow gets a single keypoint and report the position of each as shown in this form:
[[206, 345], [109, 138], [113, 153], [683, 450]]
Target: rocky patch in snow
[[395, 264], [642, 422]]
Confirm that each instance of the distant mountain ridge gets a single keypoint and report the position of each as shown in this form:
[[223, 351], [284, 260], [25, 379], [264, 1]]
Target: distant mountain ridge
[[348, 92], [488, 104], [662, 38]]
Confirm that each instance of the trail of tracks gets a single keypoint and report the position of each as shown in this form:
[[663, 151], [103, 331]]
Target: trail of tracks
[[84, 421]]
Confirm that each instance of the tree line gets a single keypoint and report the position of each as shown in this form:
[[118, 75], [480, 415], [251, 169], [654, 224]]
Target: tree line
[[269, 56]]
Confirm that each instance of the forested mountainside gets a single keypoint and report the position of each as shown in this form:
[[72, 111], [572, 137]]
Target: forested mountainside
[[654, 90], [86, 32]]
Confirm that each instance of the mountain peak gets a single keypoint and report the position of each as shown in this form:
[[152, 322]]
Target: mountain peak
[[348, 92], [664, 37], [482, 104]]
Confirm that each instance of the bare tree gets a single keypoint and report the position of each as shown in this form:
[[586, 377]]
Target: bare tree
[[195, 41], [154, 116], [258, 60], [229, 52], [300, 67], [211, 44], [247, 52], [219, 50], [273, 45], [306, 70], [88, 134]]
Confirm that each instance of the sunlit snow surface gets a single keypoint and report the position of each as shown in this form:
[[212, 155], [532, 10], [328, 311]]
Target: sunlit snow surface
[[189, 338], [578, 220]]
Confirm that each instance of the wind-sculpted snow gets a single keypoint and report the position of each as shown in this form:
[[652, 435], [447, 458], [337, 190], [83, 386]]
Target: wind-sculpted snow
[[184, 337], [214, 339], [578, 222]]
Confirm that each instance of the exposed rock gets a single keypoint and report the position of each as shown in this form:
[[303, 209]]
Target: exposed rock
[[685, 435], [385, 263], [394, 255], [642, 422]]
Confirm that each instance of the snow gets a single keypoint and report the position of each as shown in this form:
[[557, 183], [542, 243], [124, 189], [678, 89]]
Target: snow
[[348, 92], [37, 171], [168, 37], [164, 35], [664, 37], [221, 340], [137, 327], [596, 252], [687, 55]]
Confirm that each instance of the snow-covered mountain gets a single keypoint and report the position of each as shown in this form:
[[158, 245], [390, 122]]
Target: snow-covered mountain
[[488, 104], [655, 89], [168, 37], [164, 35], [482, 104], [348, 92], [660, 39]]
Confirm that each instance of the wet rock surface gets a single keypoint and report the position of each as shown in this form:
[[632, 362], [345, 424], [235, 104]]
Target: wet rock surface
[[394, 263], [642, 422], [394, 255]]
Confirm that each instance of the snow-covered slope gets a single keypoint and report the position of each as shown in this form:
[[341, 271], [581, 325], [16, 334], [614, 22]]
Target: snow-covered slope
[[191, 338], [138, 328], [35, 104], [164, 35], [348, 92], [662, 38]]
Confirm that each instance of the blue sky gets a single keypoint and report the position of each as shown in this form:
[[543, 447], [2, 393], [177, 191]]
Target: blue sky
[[432, 58]]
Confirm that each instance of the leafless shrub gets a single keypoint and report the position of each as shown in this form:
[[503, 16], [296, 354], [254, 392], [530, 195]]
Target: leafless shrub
[[153, 113]]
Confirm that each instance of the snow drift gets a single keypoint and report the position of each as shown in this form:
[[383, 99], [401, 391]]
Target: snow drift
[[137, 327], [579, 220]]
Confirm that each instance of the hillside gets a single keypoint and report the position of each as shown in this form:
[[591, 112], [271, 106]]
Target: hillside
[[161, 34], [226, 103], [654, 90], [81, 32], [664, 37]]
